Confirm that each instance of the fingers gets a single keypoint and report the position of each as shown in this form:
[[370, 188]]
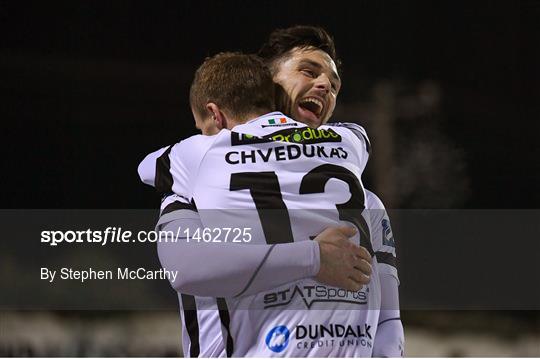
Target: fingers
[[360, 271], [363, 266], [343, 263], [337, 233], [347, 231], [361, 252], [352, 285], [359, 278], [354, 280], [328, 235]]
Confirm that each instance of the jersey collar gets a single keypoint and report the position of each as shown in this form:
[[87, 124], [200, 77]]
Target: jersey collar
[[277, 116], [269, 119]]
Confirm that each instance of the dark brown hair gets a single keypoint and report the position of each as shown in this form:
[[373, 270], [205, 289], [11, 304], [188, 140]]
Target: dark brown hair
[[239, 83], [281, 41]]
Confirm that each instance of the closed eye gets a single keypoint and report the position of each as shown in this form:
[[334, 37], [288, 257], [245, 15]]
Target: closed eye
[[336, 85], [309, 73]]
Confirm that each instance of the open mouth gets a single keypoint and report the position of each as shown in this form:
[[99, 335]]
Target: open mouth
[[313, 105]]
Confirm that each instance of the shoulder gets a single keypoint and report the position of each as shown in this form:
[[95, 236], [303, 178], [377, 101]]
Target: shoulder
[[373, 201], [376, 210], [195, 143], [382, 238], [195, 147], [357, 130]]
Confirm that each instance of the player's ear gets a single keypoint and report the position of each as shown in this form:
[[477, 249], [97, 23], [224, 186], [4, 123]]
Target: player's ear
[[219, 119]]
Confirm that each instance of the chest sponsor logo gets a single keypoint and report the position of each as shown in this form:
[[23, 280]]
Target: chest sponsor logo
[[277, 338], [310, 294], [312, 336], [303, 135], [333, 335]]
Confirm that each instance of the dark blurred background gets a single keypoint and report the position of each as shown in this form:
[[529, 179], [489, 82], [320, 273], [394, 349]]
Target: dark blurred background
[[449, 93]]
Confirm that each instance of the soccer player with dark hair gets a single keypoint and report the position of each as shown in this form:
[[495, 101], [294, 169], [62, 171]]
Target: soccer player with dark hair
[[297, 56], [309, 77]]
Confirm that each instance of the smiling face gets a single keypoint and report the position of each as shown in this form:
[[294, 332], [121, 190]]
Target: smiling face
[[311, 84]]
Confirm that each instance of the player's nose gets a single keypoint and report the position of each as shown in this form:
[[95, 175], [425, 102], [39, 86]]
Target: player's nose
[[322, 82]]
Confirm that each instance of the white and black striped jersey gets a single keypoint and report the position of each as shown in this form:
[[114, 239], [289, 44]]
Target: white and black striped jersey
[[286, 183], [382, 237], [205, 330], [272, 165]]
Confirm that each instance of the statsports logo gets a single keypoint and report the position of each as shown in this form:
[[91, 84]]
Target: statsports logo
[[277, 338]]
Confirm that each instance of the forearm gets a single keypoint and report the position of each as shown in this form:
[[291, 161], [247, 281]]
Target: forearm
[[226, 270]]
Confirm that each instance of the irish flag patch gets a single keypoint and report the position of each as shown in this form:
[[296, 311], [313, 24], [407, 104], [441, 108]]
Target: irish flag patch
[[273, 121]]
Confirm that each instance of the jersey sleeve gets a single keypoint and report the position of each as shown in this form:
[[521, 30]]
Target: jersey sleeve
[[174, 168], [382, 238], [389, 338], [148, 167], [358, 131], [227, 270]]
